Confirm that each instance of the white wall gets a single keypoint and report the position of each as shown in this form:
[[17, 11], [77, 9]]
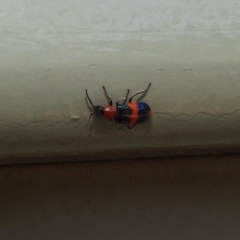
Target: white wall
[[50, 51]]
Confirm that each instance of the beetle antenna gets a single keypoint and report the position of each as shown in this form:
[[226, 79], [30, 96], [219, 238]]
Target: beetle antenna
[[89, 98], [88, 121]]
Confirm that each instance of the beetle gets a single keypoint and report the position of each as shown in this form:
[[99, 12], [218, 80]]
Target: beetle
[[126, 111]]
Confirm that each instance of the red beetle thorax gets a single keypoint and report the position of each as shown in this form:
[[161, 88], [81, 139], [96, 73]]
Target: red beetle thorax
[[110, 112]]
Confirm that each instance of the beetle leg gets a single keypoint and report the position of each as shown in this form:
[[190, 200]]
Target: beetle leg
[[131, 126], [123, 99], [140, 92], [109, 100]]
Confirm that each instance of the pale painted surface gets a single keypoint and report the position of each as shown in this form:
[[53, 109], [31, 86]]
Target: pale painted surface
[[50, 51]]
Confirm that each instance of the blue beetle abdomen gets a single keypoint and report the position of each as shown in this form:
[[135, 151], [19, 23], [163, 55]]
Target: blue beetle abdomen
[[144, 111]]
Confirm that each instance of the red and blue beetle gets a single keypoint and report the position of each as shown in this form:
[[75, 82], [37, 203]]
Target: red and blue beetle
[[126, 111]]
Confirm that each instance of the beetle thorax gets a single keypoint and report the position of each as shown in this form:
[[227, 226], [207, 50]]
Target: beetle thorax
[[110, 112]]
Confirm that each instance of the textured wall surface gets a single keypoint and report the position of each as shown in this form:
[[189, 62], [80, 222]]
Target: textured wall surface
[[52, 51]]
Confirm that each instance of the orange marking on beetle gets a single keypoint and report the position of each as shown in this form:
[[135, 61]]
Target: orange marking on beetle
[[134, 116]]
